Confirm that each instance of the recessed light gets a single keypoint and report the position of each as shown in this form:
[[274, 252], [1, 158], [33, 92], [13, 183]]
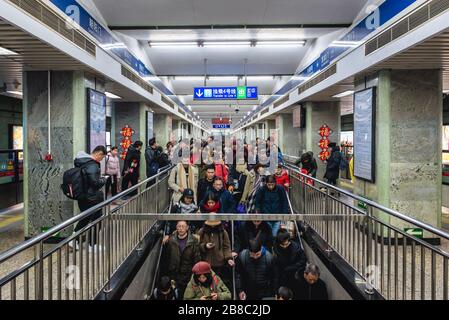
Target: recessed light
[[344, 94], [173, 44], [112, 96]]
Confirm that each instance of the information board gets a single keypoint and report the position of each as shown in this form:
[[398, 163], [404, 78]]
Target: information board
[[364, 134], [96, 109]]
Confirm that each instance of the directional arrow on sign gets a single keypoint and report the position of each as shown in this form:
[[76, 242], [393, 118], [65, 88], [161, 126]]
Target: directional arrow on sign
[[199, 93]]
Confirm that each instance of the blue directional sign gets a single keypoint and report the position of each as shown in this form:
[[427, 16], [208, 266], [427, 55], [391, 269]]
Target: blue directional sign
[[225, 93], [221, 126]]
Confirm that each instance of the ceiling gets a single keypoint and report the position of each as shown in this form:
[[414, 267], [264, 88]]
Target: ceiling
[[229, 12]]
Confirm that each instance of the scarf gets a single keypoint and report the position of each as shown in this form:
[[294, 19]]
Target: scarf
[[187, 208], [214, 209]]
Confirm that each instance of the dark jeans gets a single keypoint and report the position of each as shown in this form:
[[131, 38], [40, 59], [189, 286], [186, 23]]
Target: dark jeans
[[84, 205], [127, 178], [112, 183]]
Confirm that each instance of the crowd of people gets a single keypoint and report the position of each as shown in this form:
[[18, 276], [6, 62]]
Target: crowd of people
[[199, 257]]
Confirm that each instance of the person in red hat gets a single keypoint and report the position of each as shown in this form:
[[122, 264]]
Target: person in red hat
[[206, 285]]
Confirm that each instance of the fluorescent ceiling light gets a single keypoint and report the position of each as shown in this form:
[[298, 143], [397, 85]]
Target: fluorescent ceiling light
[[173, 44], [281, 43], [223, 78], [18, 93], [189, 78], [111, 46], [111, 95], [344, 94], [345, 44], [226, 43], [260, 78], [300, 78], [6, 52]]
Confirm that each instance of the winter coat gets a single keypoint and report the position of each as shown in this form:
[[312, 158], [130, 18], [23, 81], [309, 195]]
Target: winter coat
[[132, 161], [227, 201], [308, 162], [214, 232], [289, 261], [222, 171], [257, 278], [272, 201], [113, 165], [249, 231], [304, 291], [178, 180], [172, 295], [333, 165], [204, 187], [195, 291], [93, 182], [282, 179], [151, 159], [179, 264]]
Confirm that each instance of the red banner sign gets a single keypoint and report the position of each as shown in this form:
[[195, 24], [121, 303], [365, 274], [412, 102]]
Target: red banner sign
[[221, 121]]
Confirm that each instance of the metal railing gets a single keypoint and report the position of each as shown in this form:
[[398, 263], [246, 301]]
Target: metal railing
[[81, 266], [373, 240]]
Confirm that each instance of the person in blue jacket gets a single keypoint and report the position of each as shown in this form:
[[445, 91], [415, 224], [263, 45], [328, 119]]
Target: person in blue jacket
[[227, 201], [272, 198]]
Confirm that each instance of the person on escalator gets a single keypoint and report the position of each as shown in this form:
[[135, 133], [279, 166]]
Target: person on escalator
[[215, 244], [282, 178], [309, 286], [186, 205], [180, 254], [256, 273], [289, 258], [205, 284], [166, 290], [272, 199], [252, 230]]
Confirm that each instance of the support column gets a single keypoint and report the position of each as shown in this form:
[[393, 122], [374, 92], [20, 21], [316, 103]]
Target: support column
[[163, 128], [318, 114], [408, 144], [44, 203], [289, 138]]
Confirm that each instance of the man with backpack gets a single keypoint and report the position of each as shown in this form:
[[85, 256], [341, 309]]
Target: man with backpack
[[84, 183]]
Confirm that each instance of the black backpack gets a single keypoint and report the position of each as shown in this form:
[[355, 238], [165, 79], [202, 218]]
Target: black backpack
[[163, 160], [73, 183]]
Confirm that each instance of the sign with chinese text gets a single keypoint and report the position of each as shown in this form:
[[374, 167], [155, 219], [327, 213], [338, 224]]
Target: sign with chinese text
[[225, 93]]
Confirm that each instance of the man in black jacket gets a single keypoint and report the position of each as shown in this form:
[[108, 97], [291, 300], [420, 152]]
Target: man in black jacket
[[252, 230], [309, 286], [152, 155], [181, 253], [206, 184], [131, 166], [256, 273], [289, 258], [333, 164], [93, 182]]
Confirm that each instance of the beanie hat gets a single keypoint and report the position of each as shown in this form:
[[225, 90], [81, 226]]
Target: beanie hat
[[201, 267]]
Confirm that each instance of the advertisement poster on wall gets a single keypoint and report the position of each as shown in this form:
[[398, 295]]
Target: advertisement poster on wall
[[150, 127], [96, 109], [364, 134]]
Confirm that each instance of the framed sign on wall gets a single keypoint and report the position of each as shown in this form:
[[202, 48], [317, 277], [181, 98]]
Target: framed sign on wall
[[365, 134], [96, 119]]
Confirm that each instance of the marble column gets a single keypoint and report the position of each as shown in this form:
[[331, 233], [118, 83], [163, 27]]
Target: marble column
[[290, 139], [318, 114], [44, 203], [408, 145], [132, 114]]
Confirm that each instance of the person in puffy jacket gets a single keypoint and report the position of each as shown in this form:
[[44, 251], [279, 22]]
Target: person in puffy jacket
[[113, 171], [205, 284], [282, 177], [131, 167], [152, 155], [289, 258], [252, 230], [256, 274], [180, 254], [93, 183], [309, 286]]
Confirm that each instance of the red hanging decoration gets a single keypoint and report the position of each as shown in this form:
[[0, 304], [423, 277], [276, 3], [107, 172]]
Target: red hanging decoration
[[324, 133], [127, 133]]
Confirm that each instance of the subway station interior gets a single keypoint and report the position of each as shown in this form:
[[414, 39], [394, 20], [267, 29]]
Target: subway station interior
[[325, 123]]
